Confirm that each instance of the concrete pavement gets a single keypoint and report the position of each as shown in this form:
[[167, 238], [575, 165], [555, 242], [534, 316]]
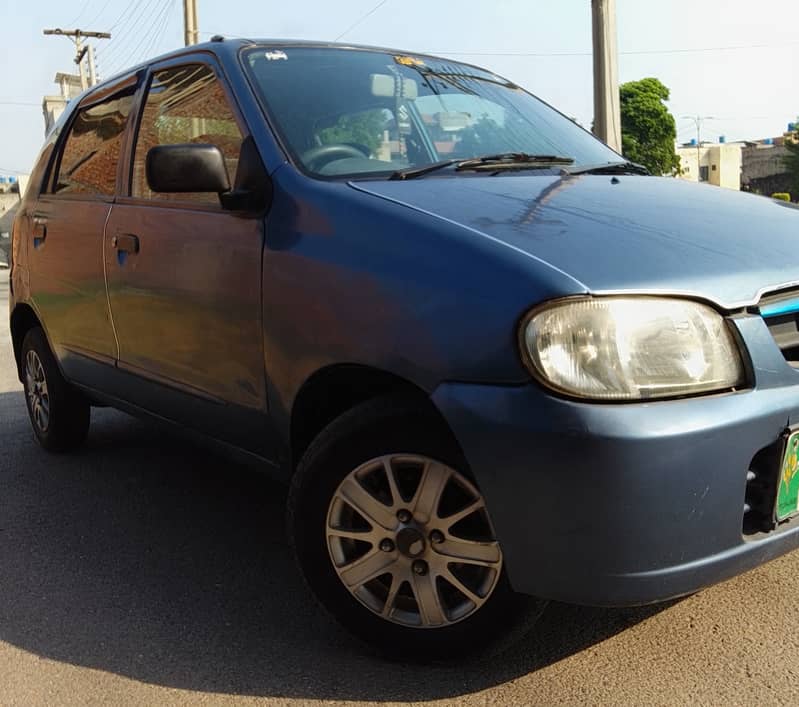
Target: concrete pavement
[[145, 570]]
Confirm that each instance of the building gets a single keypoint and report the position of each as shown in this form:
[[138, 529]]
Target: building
[[715, 163], [764, 169], [53, 106], [757, 166]]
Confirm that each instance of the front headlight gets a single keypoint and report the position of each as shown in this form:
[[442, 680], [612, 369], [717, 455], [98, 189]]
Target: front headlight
[[631, 348]]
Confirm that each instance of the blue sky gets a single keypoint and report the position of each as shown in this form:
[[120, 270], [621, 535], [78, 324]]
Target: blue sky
[[730, 59]]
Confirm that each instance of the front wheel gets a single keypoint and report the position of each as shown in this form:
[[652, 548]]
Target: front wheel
[[59, 414], [395, 539]]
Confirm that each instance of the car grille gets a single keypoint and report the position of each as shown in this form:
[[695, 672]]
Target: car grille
[[781, 313]]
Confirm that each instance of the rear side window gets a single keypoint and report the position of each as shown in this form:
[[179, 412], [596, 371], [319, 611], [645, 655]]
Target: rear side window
[[185, 105], [90, 156]]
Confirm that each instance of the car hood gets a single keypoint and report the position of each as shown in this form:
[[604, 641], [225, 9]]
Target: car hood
[[625, 233]]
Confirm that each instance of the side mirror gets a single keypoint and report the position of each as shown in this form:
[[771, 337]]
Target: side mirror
[[252, 192], [187, 168]]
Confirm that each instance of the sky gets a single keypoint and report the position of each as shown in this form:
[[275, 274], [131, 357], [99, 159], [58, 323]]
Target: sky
[[731, 60]]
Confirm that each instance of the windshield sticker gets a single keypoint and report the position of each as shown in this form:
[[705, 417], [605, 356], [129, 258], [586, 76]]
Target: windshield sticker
[[276, 55], [408, 61]]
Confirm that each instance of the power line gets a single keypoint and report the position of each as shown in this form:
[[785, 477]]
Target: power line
[[127, 33], [687, 50], [97, 16], [157, 16], [158, 35], [132, 8], [119, 56], [80, 14], [361, 19], [19, 103]]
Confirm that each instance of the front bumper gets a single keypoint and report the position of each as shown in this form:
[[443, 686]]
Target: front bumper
[[625, 504]]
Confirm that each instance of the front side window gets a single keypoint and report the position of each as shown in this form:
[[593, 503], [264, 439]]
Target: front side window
[[92, 148], [185, 105], [346, 112]]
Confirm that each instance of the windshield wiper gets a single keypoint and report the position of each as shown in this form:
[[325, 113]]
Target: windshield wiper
[[504, 160], [612, 168], [413, 172]]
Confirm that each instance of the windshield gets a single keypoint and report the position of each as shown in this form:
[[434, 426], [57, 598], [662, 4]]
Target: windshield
[[350, 113]]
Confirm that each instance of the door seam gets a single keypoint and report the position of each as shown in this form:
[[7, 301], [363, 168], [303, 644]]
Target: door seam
[[107, 291]]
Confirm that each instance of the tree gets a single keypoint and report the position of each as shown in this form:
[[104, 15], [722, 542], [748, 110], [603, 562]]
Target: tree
[[648, 130]]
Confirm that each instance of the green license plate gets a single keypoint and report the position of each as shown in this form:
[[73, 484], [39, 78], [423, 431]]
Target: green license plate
[[788, 489]]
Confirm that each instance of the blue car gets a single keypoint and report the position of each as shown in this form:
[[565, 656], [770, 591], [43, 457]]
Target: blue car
[[496, 363]]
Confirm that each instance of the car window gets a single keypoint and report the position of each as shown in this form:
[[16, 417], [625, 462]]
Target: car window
[[374, 133], [464, 125], [434, 109], [185, 105], [89, 159]]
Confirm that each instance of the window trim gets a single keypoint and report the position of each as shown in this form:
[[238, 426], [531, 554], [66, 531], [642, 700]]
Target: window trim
[[208, 59], [96, 96]]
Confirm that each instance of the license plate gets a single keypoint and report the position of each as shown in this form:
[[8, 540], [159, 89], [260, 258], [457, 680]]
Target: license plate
[[788, 489]]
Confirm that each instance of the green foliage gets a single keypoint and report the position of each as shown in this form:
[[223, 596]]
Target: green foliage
[[648, 129], [781, 196], [365, 128], [791, 161]]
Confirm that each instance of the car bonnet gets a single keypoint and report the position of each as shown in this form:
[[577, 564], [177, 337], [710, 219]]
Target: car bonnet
[[625, 233]]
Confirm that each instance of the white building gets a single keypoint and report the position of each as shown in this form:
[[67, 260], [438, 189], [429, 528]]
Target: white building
[[714, 163], [53, 106]]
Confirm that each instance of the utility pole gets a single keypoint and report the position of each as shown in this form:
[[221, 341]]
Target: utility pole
[[607, 108], [77, 36], [698, 120], [92, 69], [191, 34]]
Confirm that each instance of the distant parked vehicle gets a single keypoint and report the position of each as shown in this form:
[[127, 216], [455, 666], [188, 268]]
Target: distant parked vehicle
[[492, 358]]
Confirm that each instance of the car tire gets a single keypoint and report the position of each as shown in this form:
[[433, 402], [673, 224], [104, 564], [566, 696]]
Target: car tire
[[385, 437], [59, 414]]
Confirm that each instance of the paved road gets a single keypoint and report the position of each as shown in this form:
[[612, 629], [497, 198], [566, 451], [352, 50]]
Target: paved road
[[145, 570]]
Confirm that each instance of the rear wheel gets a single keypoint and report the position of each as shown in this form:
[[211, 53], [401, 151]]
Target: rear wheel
[[59, 414], [395, 539]]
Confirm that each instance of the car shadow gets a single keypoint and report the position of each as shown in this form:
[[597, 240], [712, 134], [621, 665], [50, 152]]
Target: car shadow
[[150, 557]]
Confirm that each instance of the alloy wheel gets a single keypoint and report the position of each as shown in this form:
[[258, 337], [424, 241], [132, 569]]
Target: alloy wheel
[[410, 538], [36, 389]]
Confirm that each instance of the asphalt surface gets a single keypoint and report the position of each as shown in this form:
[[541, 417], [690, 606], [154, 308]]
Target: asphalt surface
[[147, 570]]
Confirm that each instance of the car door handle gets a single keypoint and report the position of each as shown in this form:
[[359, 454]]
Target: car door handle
[[39, 230], [125, 243]]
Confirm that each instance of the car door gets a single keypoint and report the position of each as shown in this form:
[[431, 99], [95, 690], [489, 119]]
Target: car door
[[184, 275], [69, 217]]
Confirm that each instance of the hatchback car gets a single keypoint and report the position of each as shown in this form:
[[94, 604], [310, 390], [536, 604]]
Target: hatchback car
[[497, 363]]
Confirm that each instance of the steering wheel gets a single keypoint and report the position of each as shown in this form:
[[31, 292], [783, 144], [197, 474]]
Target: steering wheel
[[318, 157]]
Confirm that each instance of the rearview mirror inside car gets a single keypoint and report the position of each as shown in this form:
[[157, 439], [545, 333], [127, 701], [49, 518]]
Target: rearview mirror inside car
[[385, 86]]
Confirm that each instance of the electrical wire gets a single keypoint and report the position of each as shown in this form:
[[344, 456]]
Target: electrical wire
[[129, 10], [120, 57], [99, 14], [135, 55], [361, 19], [158, 35], [130, 18], [627, 53], [110, 54], [80, 14]]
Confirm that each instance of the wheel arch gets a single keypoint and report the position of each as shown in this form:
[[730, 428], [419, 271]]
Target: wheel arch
[[333, 390], [23, 319]]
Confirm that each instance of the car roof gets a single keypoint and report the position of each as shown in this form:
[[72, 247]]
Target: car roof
[[228, 46]]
